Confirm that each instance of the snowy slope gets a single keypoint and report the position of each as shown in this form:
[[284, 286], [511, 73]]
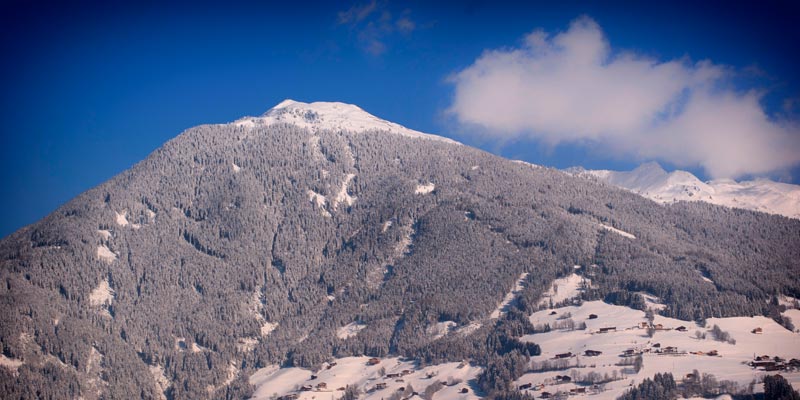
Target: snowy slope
[[332, 116], [651, 181]]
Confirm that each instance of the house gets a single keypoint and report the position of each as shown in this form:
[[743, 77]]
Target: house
[[643, 325], [312, 377], [670, 349], [762, 363], [563, 355], [658, 327], [306, 388], [293, 396], [713, 353], [380, 386], [553, 312], [464, 390], [393, 375], [757, 331], [608, 329], [545, 395], [681, 329], [657, 345], [322, 385], [592, 316], [592, 353], [405, 372], [373, 361], [763, 358], [563, 379], [629, 352], [525, 386], [579, 390], [775, 367]]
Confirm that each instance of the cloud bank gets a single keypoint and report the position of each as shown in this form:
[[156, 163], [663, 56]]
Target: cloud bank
[[572, 88], [375, 24]]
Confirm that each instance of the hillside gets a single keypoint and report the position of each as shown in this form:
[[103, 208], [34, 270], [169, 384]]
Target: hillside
[[318, 231]]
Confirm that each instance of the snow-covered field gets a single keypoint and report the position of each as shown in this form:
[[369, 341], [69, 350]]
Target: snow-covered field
[[627, 333], [330, 381], [610, 331]]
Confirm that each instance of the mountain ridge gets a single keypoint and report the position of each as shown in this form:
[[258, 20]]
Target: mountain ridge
[[652, 181]]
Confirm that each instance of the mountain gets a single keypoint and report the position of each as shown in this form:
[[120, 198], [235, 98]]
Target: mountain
[[319, 232], [651, 181]]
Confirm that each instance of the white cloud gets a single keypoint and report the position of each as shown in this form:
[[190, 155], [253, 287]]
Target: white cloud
[[572, 88]]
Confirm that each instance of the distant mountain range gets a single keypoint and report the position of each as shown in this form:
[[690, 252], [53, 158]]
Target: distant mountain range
[[653, 182]]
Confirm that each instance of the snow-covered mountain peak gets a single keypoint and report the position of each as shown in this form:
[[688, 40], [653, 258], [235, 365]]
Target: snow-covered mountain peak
[[652, 181], [331, 116]]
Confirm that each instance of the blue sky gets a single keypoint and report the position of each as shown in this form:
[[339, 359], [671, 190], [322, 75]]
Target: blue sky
[[89, 89]]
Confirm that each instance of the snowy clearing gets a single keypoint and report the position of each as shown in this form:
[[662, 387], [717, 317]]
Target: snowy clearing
[[102, 294], [349, 330], [121, 218], [510, 296], [617, 231], [235, 167], [563, 289], [316, 198], [105, 233], [105, 254], [364, 373], [343, 196], [440, 329], [424, 189], [10, 363], [268, 327]]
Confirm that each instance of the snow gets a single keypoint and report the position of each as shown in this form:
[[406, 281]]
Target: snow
[[317, 199], [651, 181], [121, 218], [510, 296], [343, 196], [162, 383], [105, 233], [386, 226], [356, 371], [246, 344], [349, 330], [706, 279], [730, 365], [441, 329], [105, 254], [268, 327], [332, 116], [566, 288], [235, 167], [102, 294], [10, 363], [424, 189], [617, 231]]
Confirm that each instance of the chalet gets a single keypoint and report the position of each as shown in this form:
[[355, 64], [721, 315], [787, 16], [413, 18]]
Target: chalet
[[757, 331], [380, 386], [592, 353], [775, 367], [592, 316], [762, 364], [306, 388], [563, 355], [332, 364], [579, 390], [629, 352], [563, 379], [373, 361], [681, 329], [713, 353], [608, 329], [405, 372], [464, 390], [322, 385], [795, 363], [553, 312], [525, 386], [393, 375], [670, 349], [341, 388], [643, 325], [293, 396], [657, 345], [658, 327], [763, 358], [545, 395], [312, 377]]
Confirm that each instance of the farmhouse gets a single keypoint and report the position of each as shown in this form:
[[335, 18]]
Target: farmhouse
[[608, 329], [563, 355], [592, 316], [592, 353], [758, 331], [373, 361], [681, 328]]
